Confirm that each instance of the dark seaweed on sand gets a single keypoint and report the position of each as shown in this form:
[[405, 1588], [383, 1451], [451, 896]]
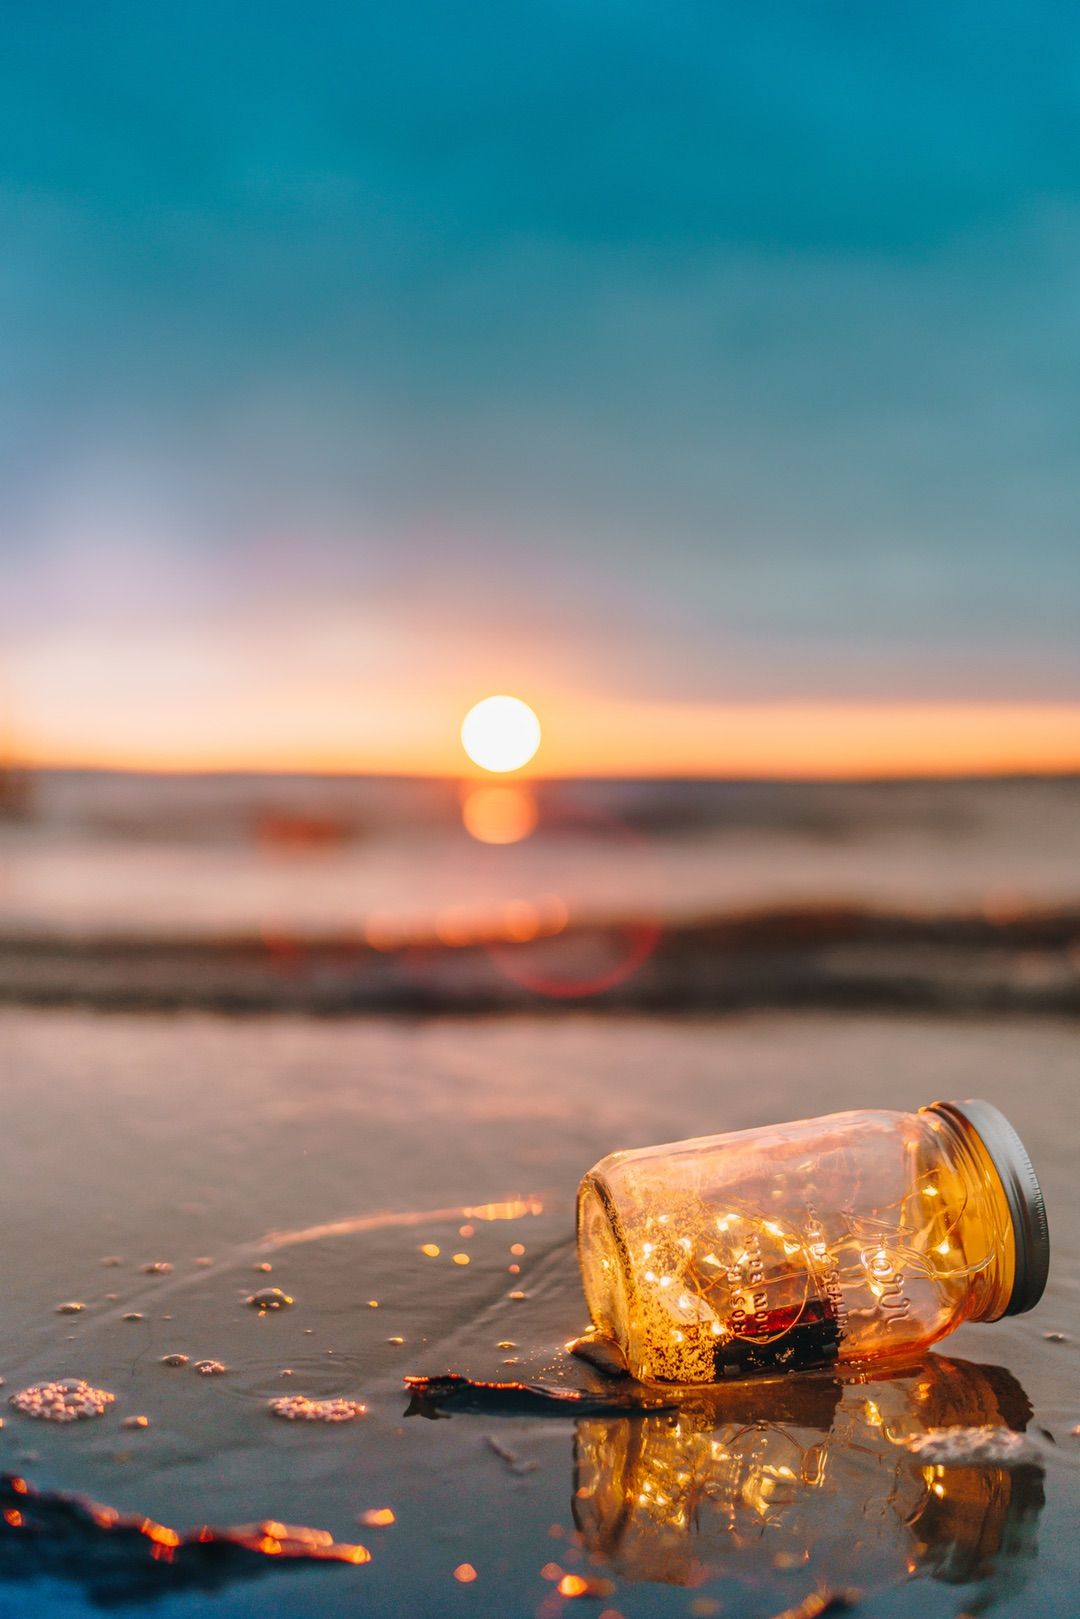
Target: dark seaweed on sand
[[435, 1397]]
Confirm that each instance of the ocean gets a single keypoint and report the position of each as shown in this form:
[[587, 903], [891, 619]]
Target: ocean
[[352, 893]]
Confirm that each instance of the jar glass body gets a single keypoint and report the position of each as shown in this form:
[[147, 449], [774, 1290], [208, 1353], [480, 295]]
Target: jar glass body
[[851, 1237]]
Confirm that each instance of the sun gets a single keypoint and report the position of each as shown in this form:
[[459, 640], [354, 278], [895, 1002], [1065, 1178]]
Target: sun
[[500, 733]]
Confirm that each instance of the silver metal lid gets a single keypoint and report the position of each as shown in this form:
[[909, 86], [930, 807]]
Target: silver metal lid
[[1031, 1232]]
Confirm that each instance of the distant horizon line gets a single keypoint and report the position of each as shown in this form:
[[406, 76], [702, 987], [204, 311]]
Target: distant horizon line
[[525, 778]]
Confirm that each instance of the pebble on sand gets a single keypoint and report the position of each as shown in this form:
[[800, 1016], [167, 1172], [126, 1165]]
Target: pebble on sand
[[210, 1368], [270, 1298], [72, 1307], [173, 1360], [135, 1422]]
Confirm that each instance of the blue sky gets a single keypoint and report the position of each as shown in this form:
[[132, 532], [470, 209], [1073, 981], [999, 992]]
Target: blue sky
[[698, 353]]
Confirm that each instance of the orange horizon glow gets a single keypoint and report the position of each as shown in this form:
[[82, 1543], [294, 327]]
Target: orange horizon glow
[[600, 737]]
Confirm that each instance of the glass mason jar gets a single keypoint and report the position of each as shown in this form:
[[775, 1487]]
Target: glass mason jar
[[847, 1238]]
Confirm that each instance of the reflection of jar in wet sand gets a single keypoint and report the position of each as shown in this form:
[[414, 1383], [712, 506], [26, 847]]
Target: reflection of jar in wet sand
[[808, 1471], [852, 1237]]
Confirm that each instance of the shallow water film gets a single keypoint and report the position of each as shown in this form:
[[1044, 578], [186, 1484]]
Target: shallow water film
[[408, 1187]]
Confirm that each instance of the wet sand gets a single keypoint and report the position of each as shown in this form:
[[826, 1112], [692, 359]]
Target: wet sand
[[335, 1152]]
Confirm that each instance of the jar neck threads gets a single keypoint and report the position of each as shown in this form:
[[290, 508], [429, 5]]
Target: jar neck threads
[[1004, 1200]]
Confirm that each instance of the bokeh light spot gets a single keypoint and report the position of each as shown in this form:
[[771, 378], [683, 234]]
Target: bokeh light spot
[[499, 814], [521, 921]]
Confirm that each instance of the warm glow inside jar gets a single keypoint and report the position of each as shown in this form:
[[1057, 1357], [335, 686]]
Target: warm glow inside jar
[[849, 1237]]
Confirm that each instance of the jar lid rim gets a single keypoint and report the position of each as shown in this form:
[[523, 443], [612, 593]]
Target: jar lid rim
[[1031, 1231]]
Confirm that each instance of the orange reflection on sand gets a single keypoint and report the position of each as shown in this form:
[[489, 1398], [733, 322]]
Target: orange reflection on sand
[[515, 1210], [511, 1209], [499, 814]]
